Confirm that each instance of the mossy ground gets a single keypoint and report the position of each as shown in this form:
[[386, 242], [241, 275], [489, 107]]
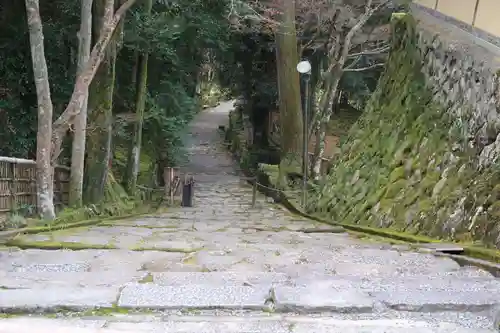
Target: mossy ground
[[65, 313], [77, 246], [53, 245], [74, 227], [147, 279]]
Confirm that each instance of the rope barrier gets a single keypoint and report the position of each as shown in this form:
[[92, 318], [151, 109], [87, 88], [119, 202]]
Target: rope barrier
[[150, 188], [256, 185]]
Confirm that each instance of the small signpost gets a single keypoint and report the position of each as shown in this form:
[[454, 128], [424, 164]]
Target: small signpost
[[187, 192]]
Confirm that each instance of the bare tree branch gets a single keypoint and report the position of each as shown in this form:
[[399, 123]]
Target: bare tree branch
[[369, 11], [381, 64], [251, 13], [62, 124], [353, 63], [370, 52]]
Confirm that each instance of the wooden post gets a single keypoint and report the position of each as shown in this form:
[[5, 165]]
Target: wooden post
[[56, 188], [172, 187], [13, 186], [254, 192], [166, 178]]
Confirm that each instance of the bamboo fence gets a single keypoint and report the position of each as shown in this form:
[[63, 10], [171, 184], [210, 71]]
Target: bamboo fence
[[18, 184]]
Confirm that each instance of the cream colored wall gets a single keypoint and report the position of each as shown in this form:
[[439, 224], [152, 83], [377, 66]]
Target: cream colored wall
[[462, 10], [488, 16]]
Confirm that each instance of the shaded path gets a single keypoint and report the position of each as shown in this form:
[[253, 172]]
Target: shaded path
[[222, 266]]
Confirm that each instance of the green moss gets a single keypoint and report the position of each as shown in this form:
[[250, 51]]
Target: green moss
[[147, 279], [50, 245], [494, 210], [411, 197], [376, 239], [398, 16], [191, 312], [75, 246], [401, 147], [190, 259], [483, 253], [495, 193], [165, 249], [429, 181], [132, 225], [105, 312], [9, 315], [62, 312], [397, 174], [62, 226], [395, 188]]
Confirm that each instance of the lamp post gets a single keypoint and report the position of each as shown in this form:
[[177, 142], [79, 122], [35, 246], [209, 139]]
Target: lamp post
[[304, 68]]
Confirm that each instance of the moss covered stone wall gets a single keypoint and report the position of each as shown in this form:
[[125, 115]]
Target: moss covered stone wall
[[423, 158]]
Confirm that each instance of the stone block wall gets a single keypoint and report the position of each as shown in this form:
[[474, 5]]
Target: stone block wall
[[467, 89], [424, 156]]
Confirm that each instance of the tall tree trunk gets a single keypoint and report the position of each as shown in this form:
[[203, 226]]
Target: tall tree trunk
[[289, 90], [140, 103], [44, 168], [101, 120], [78, 148]]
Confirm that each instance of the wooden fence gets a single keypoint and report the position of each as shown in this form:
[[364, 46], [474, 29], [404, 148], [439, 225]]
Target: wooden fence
[[18, 184]]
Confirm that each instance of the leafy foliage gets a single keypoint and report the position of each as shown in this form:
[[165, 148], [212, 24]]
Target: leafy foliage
[[17, 90], [248, 68], [177, 36]]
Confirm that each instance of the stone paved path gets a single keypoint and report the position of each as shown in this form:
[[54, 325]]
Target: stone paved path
[[222, 266]]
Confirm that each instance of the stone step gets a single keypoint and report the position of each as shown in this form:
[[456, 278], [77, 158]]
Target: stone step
[[199, 296], [242, 278], [51, 299], [336, 294], [298, 324], [261, 292]]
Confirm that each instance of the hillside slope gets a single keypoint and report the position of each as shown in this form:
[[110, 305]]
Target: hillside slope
[[410, 162]]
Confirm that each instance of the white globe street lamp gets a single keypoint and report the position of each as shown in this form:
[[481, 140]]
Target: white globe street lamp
[[304, 67]]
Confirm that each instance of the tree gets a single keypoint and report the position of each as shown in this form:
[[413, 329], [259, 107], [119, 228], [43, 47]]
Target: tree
[[345, 38], [67, 118], [335, 35], [176, 37], [140, 103], [278, 18], [44, 168], [99, 138], [47, 154], [80, 128], [289, 89]]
